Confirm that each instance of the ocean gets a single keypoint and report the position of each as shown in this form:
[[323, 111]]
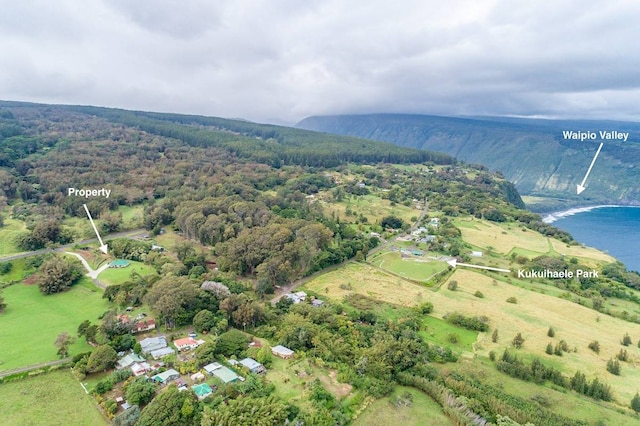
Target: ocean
[[613, 229]]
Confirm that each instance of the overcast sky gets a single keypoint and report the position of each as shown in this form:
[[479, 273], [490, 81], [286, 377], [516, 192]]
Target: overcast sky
[[283, 60]]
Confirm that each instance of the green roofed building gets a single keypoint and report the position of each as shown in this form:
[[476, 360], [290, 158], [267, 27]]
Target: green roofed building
[[202, 390], [119, 263]]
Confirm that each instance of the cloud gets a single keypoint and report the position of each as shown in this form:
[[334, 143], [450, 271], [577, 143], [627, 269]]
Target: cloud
[[283, 60]]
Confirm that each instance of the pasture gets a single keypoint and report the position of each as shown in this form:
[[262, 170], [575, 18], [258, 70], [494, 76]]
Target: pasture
[[54, 398], [8, 233], [370, 206], [369, 281], [32, 321]]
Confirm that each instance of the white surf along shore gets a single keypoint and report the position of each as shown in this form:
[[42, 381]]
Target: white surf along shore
[[552, 217]]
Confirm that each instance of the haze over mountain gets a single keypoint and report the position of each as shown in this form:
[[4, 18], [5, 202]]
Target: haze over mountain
[[533, 154]]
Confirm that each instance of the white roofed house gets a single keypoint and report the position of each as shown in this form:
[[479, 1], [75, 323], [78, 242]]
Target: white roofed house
[[282, 352], [153, 343], [297, 297], [253, 365]]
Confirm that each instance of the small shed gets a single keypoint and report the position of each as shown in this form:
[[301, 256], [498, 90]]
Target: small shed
[[282, 352]]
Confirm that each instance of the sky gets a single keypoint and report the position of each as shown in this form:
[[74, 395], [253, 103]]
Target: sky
[[280, 61]]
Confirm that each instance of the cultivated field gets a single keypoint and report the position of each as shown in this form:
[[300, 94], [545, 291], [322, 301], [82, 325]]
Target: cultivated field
[[369, 281], [32, 321], [50, 399]]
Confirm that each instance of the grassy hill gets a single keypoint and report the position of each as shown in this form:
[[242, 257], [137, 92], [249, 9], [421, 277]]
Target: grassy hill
[[531, 153]]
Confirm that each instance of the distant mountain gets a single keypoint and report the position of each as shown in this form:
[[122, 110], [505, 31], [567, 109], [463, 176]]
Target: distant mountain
[[532, 153]]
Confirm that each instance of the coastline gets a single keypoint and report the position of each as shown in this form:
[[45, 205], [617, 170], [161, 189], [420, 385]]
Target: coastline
[[552, 217]]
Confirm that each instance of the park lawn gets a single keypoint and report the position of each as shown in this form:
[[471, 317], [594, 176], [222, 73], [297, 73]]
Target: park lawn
[[114, 276], [438, 331], [422, 411], [8, 233], [533, 315], [587, 255], [414, 268], [369, 281], [32, 321], [54, 398], [502, 238]]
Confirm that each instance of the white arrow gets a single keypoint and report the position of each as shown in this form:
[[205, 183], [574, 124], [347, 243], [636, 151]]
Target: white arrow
[[581, 186], [453, 263], [103, 247]]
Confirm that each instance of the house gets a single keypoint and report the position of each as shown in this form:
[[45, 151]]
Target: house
[[476, 253], [166, 377], [282, 352], [296, 297], [127, 360], [187, 343], [253, 365], [119, 263], [223, 373], [316, 303], [140, 368], [157, 248], [151, 344], [202, 390], [181, 384], [197, 377], [159, 353], [144, 325]]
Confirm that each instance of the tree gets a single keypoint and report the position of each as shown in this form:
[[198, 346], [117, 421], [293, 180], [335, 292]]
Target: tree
[[171, 408], [635, 403], [204, 321], [549, 349], [518, 341], [595, 346], [265, 356], [102, 358], [205, 353], [140, 391], [494, 336], [247, 411], [233, 342], [58, 274], [63, 341], [392, 222], [452, 285], [626, 340], [551, 332], [128, 417]]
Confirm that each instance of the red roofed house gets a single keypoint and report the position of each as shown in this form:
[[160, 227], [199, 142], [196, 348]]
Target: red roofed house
[[187, 343], [144, 325]]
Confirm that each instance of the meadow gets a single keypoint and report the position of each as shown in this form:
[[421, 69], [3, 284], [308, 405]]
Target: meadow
[[54, 398], [8, 233], [369, 281], [370, 206], [32, 321], [422, 410]]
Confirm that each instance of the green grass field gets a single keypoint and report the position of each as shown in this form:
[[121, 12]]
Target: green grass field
[[372, 207], [414, 268], [422, 411], [32, 321], [8, 233], [50, 399], [18, 271], [438, 331], [131, 216], [113, 276]]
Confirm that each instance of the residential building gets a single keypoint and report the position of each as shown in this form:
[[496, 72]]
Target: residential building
[[127, 360], [282, 352], [166, 377], [202, 390], [153, 343], [187, 343], [253, 365]]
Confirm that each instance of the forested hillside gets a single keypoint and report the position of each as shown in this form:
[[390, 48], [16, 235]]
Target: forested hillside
[[531, 153]]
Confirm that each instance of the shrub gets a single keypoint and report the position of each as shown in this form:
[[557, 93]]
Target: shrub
[[452, 285], [626, 340], [494, 336], [492, 355], [595, 346], [613, 366], [551, 332], [480, 323], [453, 338], [635, 403], [549, 349], [623, 355], [518, 341], [478, 294], [512, 300], [425, 308]]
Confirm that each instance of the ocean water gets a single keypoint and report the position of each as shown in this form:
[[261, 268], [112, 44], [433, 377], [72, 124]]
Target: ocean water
[[613, 229]]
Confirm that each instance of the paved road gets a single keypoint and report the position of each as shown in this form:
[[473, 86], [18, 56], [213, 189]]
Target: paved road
[[125, 234], [33, 367]]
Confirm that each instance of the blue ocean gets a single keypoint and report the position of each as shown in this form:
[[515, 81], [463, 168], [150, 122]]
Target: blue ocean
[[612, 229]]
